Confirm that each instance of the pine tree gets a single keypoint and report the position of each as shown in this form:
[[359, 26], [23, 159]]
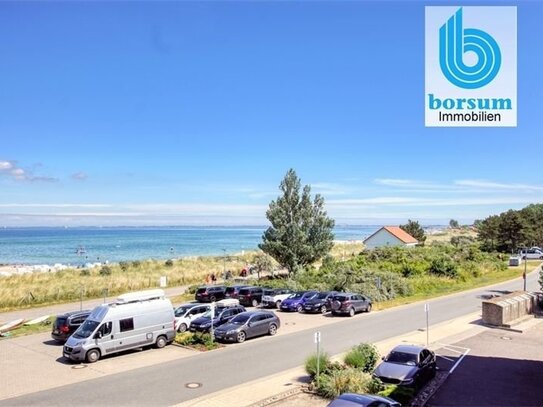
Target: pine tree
[[414, 229], [300, 231]]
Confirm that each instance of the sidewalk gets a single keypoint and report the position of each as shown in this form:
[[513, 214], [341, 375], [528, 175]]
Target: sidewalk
[[263, 391]]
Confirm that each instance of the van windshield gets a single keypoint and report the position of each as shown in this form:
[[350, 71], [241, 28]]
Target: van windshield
[[86, 329]]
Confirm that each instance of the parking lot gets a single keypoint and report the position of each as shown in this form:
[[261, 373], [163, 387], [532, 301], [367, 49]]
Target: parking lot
[[502, 368], [44, 367]]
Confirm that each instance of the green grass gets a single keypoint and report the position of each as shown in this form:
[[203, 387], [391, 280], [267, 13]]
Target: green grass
[[454, 286]]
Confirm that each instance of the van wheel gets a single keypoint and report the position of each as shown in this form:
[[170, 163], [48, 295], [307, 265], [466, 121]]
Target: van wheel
[[273, 329], [369, 308], [351, 312], [240, 337], [182, 328], [161, 342], [93, 355], [254, 303]]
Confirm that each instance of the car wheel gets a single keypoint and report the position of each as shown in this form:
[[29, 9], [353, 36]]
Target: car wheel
[[182, 328], [351, 312], [240, 337], [368, 309], [299, 308], [273, 329], [254, 303], [212, 298], [93, 355], [161, 342], [278, 304], [323, 309]]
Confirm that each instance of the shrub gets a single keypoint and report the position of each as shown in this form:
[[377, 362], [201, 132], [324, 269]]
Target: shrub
[[364, 356], [168, 263], [136, 264], [347, 380], [311, 364], [84, 272], [124, 265], [105, 271], [444, 267], [192, 289], [201, 341]]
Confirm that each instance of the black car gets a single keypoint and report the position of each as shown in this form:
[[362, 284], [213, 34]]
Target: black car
[[247, 325], [320, 303], [210, 293], [250, 296], [66, 324], [233, 291], [222, 316], [407, 365], [362, 400], [350, 304]]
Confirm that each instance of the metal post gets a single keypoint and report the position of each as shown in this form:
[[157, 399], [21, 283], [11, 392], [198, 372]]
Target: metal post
[[427, 311], [525, 268], [318, 342], [212, 330]]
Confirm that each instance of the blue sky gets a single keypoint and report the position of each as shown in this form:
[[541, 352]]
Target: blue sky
[[170, 113]]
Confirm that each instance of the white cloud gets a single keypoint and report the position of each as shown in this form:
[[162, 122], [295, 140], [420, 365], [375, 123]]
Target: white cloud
[[482, 184], [5, 165], [79, 176], [11, 170]]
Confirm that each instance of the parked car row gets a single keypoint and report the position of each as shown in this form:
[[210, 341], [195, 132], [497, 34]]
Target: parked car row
[[286, 300]]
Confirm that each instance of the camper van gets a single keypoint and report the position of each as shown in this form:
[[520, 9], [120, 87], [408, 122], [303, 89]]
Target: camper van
[[134, 320]]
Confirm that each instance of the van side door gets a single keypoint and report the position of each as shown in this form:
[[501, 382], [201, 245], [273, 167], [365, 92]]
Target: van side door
[[105, 338]]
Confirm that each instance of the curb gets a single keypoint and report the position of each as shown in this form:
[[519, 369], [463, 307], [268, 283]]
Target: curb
[[278, 397]]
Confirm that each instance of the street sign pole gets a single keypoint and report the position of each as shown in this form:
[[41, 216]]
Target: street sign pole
[[318, 342], [525, 269], [211, 330], [427, 311]]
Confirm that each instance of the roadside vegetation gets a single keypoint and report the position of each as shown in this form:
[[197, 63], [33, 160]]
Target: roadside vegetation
[[197, 341], [353, 374]]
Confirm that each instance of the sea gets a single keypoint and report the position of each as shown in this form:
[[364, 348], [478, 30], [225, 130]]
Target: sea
[[80, 245]]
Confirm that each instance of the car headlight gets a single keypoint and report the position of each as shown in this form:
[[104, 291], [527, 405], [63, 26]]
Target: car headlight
[[231, 332], [407, 381]]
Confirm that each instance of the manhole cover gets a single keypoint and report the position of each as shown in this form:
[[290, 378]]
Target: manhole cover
[[506, 338], [193, 385], [79, 367]]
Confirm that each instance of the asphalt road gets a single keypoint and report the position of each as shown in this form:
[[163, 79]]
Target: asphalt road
[[164, 384]]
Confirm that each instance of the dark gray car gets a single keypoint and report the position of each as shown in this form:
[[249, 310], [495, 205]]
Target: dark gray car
[[247, 325], [407, 365], [362, 400], [350, 304]]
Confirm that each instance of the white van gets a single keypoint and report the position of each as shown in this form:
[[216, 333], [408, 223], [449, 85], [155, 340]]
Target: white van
[[134, 320]]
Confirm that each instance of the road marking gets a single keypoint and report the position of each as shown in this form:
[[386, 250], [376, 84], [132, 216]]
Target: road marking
[[445, 357], [459, 360]]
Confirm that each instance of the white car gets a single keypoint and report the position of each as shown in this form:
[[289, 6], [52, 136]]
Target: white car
[[227, 302], [531, 254], [188, 312], [272, 298]]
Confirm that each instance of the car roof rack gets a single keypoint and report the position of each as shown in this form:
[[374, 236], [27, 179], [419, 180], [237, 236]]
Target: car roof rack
[[137, 296]]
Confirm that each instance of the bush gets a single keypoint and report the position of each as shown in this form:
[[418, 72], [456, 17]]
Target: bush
[[364, 356], [192, 289], [348, 380], [168, 263], [402, 395], [136, 264], [105, 271], [124, 265], [444, 267], [84, 272], [200, 341], [311, 364]]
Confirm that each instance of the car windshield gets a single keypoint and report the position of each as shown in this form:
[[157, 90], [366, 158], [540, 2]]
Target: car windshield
[[296, 295], [86, 329], [201, 290], [240, 319], [268, 292], [230, 290], [216, 313], [322, 296], [180, 311], [402, 358]]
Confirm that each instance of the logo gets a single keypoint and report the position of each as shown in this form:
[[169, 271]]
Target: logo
[[455, 42], [470, 66]]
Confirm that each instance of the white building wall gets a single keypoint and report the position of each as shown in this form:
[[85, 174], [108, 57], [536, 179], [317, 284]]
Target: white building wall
[[383, 238]]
